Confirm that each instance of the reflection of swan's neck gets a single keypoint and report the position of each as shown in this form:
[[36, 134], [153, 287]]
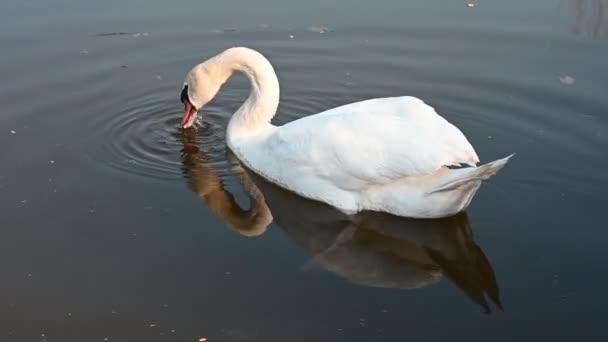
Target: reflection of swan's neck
[[205, 182], [251, 222], [259, 108]]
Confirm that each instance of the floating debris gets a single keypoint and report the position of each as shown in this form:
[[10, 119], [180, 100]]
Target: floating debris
[[319, 29], [152, 325], [110, 34], [471, 4], [202, 339], [291, 36], [567, 80], [159, 77], [52, 162], [224, 30], [84, 52], [140, 34], [13, 132], [362, 322]]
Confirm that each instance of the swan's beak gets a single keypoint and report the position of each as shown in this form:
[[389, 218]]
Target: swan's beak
[[190, 113]]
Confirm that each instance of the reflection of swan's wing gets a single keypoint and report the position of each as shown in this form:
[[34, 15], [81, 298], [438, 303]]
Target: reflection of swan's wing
[[385, 250], [473, 274], [449, 243], [374, 260], [204, 181]]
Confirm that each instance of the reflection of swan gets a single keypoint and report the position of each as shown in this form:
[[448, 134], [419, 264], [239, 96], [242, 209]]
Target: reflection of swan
[[386, 154], [370, 249]]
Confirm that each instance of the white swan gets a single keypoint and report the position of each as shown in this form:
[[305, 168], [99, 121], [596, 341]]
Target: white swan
[[387, 154]]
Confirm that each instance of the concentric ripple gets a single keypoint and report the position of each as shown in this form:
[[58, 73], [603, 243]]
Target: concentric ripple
[[144, 138]]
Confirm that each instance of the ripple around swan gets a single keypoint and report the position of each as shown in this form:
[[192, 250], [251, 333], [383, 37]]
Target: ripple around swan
[[144, 139]]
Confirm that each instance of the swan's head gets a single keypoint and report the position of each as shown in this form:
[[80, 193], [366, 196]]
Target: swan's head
[[200, 87]]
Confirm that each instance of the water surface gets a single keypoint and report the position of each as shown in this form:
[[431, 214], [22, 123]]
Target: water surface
[[118, 225]]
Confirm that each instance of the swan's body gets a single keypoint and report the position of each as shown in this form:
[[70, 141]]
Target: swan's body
[[386, 154]]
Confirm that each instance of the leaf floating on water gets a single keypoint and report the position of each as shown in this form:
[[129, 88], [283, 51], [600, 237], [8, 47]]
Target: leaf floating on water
[[567, 80]]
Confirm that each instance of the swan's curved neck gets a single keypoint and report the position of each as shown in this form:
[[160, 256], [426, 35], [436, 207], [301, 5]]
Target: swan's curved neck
[[255, 114]]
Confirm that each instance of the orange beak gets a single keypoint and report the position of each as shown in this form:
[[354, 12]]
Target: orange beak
[[190, 113]]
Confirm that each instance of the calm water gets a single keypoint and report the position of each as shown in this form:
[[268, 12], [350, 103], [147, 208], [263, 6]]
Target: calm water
[[117, 225]]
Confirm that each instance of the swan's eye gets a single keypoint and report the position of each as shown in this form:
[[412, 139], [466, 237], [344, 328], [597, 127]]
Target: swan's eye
[[184, 96]]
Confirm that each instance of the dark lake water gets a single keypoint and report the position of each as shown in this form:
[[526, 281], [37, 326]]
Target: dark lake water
[[118, 226]]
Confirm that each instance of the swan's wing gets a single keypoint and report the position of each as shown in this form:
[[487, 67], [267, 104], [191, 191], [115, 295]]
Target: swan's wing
[[372, 142]]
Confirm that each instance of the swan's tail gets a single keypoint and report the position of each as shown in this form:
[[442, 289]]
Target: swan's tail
[[461, 177]]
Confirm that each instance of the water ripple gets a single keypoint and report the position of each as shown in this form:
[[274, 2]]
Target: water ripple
[[144, 138]]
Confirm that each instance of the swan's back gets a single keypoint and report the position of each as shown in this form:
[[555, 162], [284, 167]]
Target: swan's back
[[373, 142]]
